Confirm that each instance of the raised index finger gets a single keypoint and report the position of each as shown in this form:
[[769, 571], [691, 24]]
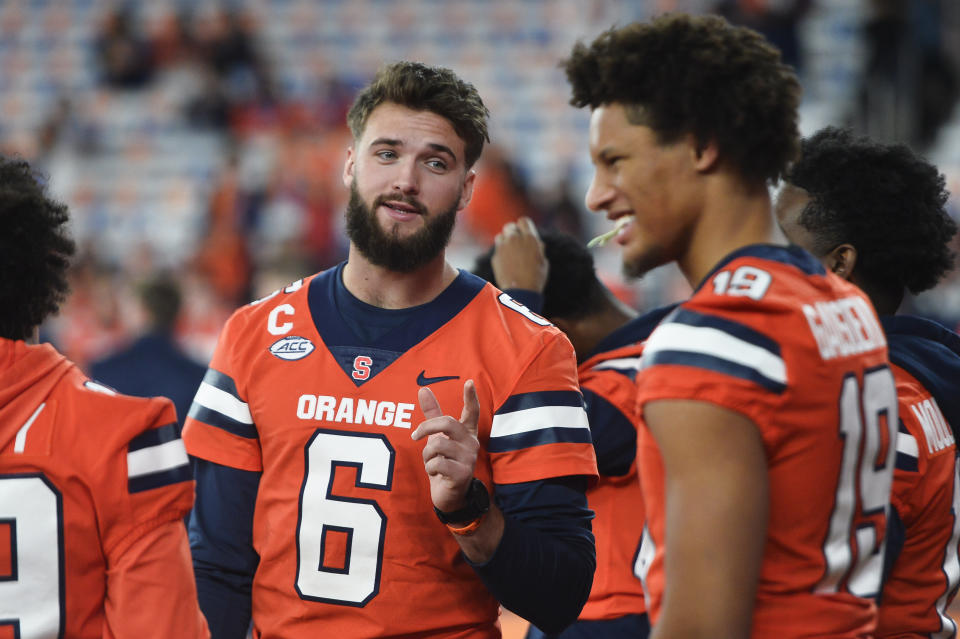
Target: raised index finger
[[471, 407]]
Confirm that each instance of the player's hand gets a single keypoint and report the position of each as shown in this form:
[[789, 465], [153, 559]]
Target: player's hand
[[450, 453], [518, 259]]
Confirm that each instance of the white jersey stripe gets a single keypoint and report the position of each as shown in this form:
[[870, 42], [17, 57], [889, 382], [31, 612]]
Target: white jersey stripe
[[155, 459], [539, 418], [716, 343], [21, 440], [221, 401], [907, 444], [632, 363]]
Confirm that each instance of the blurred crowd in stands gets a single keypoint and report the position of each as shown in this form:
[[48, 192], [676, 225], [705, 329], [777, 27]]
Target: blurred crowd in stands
[[202, 144]]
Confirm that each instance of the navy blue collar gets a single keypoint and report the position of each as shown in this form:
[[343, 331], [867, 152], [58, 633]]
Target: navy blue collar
[[931, 353], [418, 322], [792, 255], [636, 330]]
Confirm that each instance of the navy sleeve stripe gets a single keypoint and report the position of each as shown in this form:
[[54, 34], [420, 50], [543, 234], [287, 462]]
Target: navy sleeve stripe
[[901, 428], [155, 437], [156, 480], [614, 435], [222, 381], [524, 401], [539, 437], [717, 364], [219, 420], [907, 463]]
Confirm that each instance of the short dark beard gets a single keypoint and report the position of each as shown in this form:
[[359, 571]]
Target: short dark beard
[[638, 268], [385, 248]]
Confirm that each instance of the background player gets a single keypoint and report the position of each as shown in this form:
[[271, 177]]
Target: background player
[[739, 386], [874, 214], [553, 274], [93, 485], [311, 484]]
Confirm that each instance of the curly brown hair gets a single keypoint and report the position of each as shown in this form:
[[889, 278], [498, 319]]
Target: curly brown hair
[[426, 88], [680, 74], [35, 251]]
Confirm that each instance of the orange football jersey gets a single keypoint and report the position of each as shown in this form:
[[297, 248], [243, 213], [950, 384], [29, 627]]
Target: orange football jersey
[[925, 573], [93, 490], [800, 352], [610, 376], [344, 526]]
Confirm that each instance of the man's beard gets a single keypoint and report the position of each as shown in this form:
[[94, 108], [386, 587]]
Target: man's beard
[[386, 248], [638, 267]]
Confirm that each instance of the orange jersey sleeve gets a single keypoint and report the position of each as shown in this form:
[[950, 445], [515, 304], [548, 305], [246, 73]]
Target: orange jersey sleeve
[[608, 378], [219, 426], [150, 588], [88, 476], [926, 498], [771, 335]]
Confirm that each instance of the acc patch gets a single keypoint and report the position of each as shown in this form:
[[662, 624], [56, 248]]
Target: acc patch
[[292, 347]]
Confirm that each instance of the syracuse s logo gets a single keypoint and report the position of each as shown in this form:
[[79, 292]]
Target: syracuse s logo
[[291, 347], [361, 367]]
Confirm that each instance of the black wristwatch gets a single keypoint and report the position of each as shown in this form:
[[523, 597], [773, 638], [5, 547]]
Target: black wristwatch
[[477, 504]]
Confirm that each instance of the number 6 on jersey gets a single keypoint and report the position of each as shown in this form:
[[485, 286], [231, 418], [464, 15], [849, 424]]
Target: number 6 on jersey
[[362, 521]]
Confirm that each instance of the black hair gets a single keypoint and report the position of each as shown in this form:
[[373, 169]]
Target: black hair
[[161, 298], [573, 290], [680, 74], [885, 200], [35, 250]]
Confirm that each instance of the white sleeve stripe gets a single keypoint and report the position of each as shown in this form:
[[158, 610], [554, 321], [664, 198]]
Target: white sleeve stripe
[[542, 417], [907, 444], [621, 362], [155, 459], [21, 440], [716, 343], [223, 402]]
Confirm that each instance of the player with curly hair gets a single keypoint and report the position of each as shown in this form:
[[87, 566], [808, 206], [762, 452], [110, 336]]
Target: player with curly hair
[[691, 119], [93, 485], [874, 214]]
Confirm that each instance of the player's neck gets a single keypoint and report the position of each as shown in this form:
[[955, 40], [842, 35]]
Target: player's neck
[[733, 216], [381, 287]]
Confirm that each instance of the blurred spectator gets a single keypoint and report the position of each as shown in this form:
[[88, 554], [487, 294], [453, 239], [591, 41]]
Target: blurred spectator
[[154, 364], [226, 41], [172, 41], [89, 324], [209, 106], [122, 52], [63, 125], [910, 85], [499, 196], [777, 20]]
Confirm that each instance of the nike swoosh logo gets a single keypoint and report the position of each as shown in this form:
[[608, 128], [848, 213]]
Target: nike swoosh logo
[[422, 380]]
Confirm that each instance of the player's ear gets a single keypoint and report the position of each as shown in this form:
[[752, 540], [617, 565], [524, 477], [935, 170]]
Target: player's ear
[[705, 154], [348, 168], [842, 260], [468, 183]]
